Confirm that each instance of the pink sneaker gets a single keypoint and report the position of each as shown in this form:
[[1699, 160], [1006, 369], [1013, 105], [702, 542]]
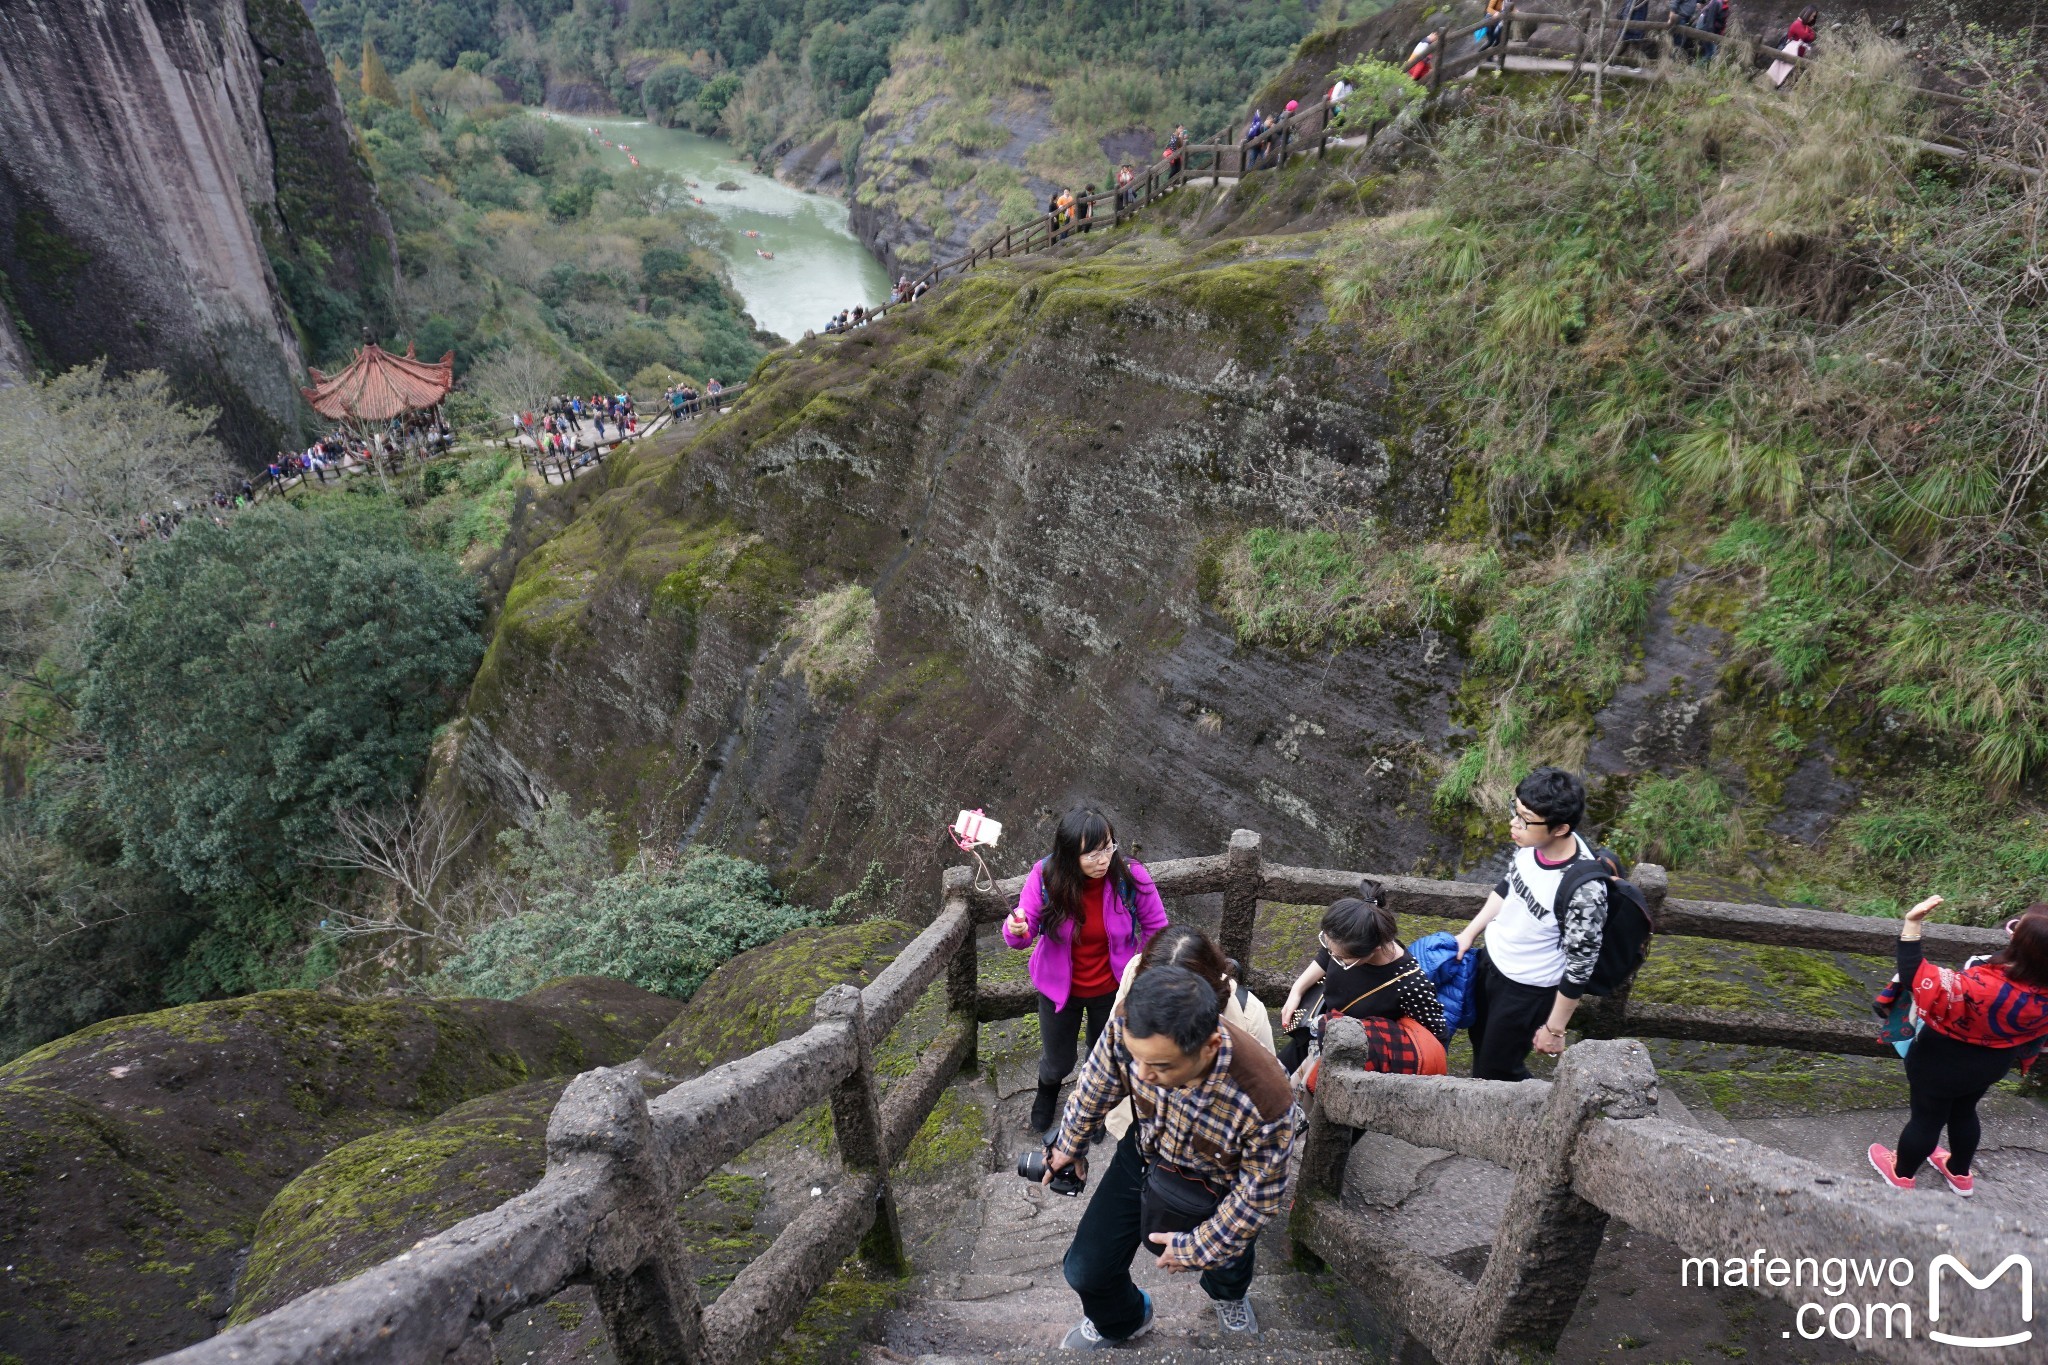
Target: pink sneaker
[[1887, 1165], [1961, 1184]]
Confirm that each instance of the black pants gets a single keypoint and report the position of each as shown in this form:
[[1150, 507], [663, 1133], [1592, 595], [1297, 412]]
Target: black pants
[[1948, 1078], [1505, 1018], [1098, 1264], [1059, 1032]]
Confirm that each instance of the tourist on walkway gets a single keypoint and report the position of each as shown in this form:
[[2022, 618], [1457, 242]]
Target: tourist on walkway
[[1975, 1024], [1423, 59], [1184, 945], [1534, 968], [1252, 150], [1124, 176], [1799, 39], [1085, 911], [1198, 1175], [1361, 971]]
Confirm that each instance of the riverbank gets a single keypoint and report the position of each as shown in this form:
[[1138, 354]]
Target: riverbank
[[792, 255]]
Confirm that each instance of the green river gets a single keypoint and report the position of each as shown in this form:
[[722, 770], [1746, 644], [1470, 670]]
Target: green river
[[802, 263]]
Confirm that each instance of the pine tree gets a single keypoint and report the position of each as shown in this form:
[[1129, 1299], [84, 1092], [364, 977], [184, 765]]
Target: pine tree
[[339, 70], [376, 80]]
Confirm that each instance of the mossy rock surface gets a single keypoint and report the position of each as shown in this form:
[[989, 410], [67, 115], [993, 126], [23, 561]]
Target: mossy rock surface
[[765, 995], [136, 1156], [376, 1196]]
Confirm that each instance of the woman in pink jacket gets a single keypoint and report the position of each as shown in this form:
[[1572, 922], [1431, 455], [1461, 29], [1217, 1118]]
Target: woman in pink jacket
[[1088, 911]]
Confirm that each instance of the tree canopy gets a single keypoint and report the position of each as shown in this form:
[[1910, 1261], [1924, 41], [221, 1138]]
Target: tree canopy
[[251, 678]]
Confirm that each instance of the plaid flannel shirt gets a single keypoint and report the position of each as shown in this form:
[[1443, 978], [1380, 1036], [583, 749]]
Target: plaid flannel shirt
[[1213, 1129]]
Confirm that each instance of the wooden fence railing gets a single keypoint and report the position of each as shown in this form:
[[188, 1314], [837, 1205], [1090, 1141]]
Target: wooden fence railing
[[1595, 44], [605, 1212]]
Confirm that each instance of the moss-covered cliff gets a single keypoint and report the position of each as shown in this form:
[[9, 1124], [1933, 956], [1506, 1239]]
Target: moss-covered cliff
[[1026, 472], [1325, 503], [137, 1155]]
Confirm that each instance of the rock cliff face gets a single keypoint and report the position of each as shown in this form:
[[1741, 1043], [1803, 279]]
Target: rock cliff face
[[1024, 474], [170, 174], [136, 1156]]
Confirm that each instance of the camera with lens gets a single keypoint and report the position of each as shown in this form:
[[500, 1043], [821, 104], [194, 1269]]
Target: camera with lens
[[1067, 1180]]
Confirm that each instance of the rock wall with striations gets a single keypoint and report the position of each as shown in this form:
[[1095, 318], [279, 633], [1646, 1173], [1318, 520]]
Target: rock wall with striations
[[176, 179], [1028, 473]]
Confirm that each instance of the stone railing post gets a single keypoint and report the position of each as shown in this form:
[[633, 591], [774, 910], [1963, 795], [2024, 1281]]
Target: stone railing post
[[643, 1283], [1544, 1247], [963, 973], [1326, 1146], [857, 1123], [1241, 886], [1607, 1016]]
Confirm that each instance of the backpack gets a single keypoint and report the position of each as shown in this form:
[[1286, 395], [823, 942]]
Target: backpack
[[1625, 939]]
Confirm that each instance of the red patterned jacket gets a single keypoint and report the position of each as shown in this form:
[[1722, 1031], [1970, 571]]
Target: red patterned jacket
[[1978, 1005]]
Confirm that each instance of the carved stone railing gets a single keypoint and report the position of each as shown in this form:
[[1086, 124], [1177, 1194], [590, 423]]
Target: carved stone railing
[[604, 1213], [1586, 1147]]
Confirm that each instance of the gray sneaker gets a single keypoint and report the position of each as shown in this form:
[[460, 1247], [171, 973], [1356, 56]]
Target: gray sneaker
[[1086, 1338], [1237, 1317]]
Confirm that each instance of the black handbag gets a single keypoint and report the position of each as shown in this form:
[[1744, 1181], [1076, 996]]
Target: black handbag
[[1171, 1200]]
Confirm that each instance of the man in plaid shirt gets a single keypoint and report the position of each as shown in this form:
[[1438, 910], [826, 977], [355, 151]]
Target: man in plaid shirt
[[1210, 1104]]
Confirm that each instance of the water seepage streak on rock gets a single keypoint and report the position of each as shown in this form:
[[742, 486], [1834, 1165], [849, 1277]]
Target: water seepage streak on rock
[[158, 165]]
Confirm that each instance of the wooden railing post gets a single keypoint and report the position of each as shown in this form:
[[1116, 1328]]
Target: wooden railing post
[[1241, 897], [1543, 1249], [963, 973], [644, 1288], [857, 1123]]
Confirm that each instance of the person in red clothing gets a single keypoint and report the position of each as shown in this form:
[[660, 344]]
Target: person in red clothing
[[1084, 912], [1975, 1024]]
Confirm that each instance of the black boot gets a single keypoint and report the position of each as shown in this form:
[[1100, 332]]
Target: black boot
[[1045, 1108]]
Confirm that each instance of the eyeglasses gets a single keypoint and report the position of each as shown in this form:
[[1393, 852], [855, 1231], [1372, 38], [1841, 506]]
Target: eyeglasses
[[1105, 851], [1517, 821], [1331, 949]]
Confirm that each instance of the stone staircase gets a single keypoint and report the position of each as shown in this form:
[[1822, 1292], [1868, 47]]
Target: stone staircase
[[992, 1288]]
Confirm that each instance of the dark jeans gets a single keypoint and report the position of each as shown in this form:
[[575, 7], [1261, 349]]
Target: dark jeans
[[1948, 1078], [1059, 1033], [1098, 1264], [1505, 1017]]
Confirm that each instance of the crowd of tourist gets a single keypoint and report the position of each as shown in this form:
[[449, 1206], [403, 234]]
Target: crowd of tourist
[[1181, 1065]]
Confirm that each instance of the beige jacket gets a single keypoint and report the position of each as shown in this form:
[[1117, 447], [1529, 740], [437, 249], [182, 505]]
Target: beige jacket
[[1251, 1016]]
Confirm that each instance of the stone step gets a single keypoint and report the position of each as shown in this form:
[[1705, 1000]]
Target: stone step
[[1276, 1347]]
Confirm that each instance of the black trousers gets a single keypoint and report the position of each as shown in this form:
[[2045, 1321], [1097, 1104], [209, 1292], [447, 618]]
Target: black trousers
[[1059, 1032], [1947, 1078], [1098, 1263], [1505, 1018]]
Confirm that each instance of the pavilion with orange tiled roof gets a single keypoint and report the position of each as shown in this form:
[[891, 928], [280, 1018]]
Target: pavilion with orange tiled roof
[[378, 386]]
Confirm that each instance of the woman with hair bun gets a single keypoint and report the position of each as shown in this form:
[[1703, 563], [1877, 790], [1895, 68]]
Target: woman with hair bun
[[1085, 912], [1365, 974]]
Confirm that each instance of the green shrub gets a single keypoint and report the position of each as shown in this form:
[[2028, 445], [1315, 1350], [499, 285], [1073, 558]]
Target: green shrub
[[1676, 821], [662, 928]]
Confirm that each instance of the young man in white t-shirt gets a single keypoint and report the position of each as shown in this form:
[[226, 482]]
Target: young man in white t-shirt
[[1533, 971]]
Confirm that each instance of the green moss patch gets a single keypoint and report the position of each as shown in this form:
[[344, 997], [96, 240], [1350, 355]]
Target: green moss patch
[[766, 995], [156, 1141]]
